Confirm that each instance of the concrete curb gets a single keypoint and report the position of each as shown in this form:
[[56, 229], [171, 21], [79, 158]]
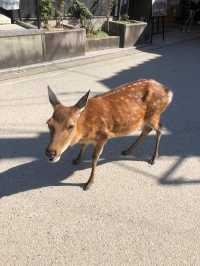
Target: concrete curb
[[56, 65]]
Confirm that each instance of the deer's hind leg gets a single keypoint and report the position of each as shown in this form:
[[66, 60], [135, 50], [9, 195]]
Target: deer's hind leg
[[156, 125], [146, 130]]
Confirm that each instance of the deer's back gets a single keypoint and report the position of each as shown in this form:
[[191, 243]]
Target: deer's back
[[123, 110]]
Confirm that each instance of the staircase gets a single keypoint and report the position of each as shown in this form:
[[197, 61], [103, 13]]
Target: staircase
[[4, 20], [5, 24]]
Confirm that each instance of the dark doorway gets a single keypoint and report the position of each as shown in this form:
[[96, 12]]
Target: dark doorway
[[140, 10]]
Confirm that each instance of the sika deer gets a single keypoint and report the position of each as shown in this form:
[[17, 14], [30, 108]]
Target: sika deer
[[116, 113]]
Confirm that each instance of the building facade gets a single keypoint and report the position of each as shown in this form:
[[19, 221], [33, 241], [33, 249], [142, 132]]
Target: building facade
[[138, 9], [98, 7], [142, 10]]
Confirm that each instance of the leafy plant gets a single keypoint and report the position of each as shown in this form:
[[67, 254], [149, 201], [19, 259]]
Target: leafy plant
[[46, 8], [98, 34], [80, 11]]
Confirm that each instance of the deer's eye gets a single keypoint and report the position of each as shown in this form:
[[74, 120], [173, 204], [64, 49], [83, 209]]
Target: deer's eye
[[70, 127]]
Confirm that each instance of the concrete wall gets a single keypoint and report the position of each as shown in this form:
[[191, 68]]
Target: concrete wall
[[24, 47], [20, 49], [103, 43], [64, 44], [129, 34]]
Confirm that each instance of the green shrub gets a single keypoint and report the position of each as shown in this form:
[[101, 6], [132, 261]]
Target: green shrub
[[80, 11], [46, 9]]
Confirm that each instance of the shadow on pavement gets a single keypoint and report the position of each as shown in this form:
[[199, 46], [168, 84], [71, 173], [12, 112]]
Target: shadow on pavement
[[39, 173]]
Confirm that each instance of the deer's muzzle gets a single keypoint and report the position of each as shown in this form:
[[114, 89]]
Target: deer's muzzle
[[52, 155]]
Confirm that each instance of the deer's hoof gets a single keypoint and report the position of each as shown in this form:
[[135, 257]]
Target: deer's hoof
[[151, 161], [85, 187]]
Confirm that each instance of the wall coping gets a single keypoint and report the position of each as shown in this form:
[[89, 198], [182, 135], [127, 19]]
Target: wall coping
[[135, 23], [26, 32], [21, 32]]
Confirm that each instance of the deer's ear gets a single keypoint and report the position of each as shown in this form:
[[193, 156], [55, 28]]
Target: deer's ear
[[82, 102], [52, 97]]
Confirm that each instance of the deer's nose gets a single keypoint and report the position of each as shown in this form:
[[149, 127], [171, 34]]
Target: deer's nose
[[50, 153]]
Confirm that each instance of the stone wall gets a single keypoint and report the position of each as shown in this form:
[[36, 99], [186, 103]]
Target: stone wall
[[25, 47], [20, 48]]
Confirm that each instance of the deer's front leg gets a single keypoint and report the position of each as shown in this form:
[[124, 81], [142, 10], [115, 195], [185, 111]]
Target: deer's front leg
[[96, 154], [80, 155]]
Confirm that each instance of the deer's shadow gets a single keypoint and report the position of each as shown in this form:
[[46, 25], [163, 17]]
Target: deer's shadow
[[39, 173]]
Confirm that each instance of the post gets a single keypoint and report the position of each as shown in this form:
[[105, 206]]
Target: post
[[38, 13], [163, 27], [119, 9], [152, 29], [127, 7], [158, 24]]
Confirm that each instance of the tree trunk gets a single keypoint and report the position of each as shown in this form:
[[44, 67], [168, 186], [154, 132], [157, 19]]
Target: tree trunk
[[59, 13]]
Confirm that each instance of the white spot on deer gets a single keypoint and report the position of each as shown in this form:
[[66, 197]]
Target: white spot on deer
[[170, 97]]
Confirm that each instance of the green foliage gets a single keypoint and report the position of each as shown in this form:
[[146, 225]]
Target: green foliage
[[46, 8], [98, 34], [80, 11]]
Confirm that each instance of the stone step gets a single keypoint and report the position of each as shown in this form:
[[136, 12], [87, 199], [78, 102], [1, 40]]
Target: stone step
[[7, 27], [4, 20]]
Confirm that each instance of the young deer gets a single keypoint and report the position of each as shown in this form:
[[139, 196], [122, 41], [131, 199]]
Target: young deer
[[116, 113]]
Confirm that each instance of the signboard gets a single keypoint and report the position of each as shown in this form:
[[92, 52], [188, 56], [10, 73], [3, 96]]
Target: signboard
[[159, 8]]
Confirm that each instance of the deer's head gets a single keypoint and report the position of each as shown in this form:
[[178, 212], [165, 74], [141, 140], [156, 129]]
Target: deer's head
[[63, 125]]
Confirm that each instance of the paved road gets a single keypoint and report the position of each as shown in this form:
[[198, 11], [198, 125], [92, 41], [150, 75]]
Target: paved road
[[134, 214]]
